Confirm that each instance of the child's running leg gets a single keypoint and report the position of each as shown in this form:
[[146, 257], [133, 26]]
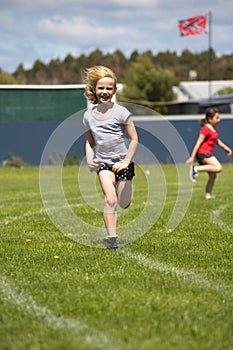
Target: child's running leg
[[211, 165], [124, 193], [107, 182], [210, 185]]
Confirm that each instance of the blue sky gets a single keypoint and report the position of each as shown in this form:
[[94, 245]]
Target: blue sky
[[47, 29]]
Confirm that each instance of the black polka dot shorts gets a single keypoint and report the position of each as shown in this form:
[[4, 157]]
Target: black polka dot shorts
[[125, 174]]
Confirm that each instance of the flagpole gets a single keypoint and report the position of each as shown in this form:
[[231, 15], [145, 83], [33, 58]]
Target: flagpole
[[209, 54]]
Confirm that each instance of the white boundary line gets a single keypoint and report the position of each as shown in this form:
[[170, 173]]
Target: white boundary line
[[175, 117], [181, 274], [28, 305], [24, 197], [9, 219], [29, 213], [215, 217], [41, 87], [156, 265]]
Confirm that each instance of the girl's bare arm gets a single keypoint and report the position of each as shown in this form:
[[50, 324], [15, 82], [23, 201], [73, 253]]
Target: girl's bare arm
[[225, 147], [200, 139]]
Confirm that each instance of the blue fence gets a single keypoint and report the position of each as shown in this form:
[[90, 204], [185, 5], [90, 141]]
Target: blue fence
[[163, 139]]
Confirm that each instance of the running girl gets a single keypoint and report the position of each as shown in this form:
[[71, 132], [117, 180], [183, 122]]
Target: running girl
[[106, 150], [203, 150]]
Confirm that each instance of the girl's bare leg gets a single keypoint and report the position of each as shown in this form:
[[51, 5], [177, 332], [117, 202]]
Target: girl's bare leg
[[211, 165], [124, 193], [107, 182], [210, 184]]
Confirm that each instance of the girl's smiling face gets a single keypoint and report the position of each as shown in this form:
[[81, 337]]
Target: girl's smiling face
[[105, 89]]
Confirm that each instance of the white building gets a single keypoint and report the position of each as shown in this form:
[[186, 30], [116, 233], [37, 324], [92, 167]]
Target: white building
[[196, 90]]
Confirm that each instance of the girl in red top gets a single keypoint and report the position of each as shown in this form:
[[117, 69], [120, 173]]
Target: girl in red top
[[203, 150]]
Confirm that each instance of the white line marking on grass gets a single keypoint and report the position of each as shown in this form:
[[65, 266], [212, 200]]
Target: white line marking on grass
[[9, 219], [215, 217], [29, 306], [21, 198], [29, 213], [185, 276]]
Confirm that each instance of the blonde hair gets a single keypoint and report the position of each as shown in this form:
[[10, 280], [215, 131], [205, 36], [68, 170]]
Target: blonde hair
[[92, 75]]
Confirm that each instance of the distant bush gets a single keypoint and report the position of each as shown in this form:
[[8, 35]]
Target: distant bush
[[61, 159], [225, 91], [13, 161]]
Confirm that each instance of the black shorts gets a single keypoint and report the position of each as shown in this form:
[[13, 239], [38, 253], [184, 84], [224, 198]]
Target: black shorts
[[125, 174], [202, 156]]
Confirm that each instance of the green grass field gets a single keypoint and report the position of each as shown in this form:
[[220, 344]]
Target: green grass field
[[164, 291]]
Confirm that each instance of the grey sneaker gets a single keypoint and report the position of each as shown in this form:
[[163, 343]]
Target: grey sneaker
[[112, 242], [193, 173]]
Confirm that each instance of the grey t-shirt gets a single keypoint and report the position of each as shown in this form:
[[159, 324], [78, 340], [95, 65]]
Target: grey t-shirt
[[108, 133]]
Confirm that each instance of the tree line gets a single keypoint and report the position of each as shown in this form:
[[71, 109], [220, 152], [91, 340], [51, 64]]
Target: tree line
[[146, 76]]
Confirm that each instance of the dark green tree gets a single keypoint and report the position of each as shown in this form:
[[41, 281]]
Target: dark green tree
[[144, 80], [19, 74], [134, 56], [70, 71], [95, 58]]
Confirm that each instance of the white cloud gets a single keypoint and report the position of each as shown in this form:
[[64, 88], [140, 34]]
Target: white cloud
[[45, 28]]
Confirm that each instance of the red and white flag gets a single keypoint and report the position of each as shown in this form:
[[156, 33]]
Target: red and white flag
[[193, 26]]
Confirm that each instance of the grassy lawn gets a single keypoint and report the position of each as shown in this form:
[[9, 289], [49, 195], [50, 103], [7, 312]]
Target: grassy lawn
[[166, 290]]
